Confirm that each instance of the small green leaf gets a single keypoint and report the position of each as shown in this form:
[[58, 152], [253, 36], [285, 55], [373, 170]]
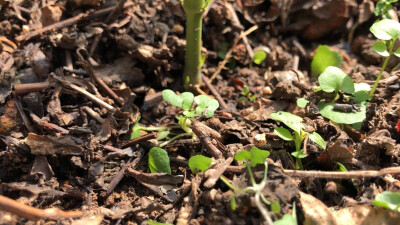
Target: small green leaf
[[397, 52], [299, 154], [334, 79], [199, 163], [315, 137], [259, 57], [233, 202], [255, 156], [380, 48], [275, 207], [135, 129], [162, 135], [283, 133], [172, 98], [159, 161], [246, 90], [341, 167], [323, 58], [386, 29], [327, 111], [386, 199], [302, 102], [360, 96], [206, 105], [289, 119], [149, 222], [287, 219], [187, 100]]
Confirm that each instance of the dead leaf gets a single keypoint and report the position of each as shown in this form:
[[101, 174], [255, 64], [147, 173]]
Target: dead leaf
[[48, 145]]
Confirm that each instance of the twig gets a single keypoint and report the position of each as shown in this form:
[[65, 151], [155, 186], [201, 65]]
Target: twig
[[22, 89], [68, 22], [23, 116], [228, 55], [215, 93], [205, 139], [93, 114], [342, 175], [31, 213]]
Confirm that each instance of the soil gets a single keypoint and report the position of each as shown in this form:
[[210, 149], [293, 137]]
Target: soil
[[77, 75]]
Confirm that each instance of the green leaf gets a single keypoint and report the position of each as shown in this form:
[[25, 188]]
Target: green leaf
[[323, 58], [341, 167], [246, 90], [149, 222], [135, 131], [291, 120], [334, 79], [299, 154], [206, 105], [162, 135], [259, 57], [275, 207], [315, 137], [302, 102], [287, 219], [397, 52], [360, 96], [386, 29], [255, 156], [199, 163], [386, 199], [380, 48], [326, 110], [283, 133], [159, 161], [172, 98], [187, 100]]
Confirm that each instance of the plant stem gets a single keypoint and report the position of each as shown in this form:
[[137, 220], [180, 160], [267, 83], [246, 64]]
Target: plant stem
[[252, 180], [192, 73], [297, 143], [174, 138], [382, 69], [229, 184]]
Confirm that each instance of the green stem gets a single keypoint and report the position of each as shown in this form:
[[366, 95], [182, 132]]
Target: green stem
[[297, 142], [192, 72], [252, 180], [174, 138], [229, 184], [382, 69]]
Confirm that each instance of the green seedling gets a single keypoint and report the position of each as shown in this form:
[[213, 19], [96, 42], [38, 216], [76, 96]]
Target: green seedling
[[344, 169], [252, 158], [260, 54], [382, 8], [288, 219], [389, 200], [199, 163], [387, 31], [334, 80], [149, 222], [190, 105], [193, 59], [295, 123], [323, 58], [159, 161], [247, 95]]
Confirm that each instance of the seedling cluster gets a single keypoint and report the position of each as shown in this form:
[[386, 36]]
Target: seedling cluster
[[295, 123]]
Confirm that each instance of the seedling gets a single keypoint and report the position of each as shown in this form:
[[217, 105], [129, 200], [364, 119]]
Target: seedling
[[159, 161], [252, 158], [387, 31], [344, 169], [149, 222], [199, 163], [288, 219], [354, 97], [382, 8], [193, 59], [295, 123], [260, 54], [323, 58], [389, 200], [190, 105], [247, 95]]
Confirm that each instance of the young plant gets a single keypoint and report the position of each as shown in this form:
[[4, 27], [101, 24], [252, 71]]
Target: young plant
[[382, 8], [323, 58], [260, 54], [190, 105], [295, 123], [387, 31], [247, 96], [334, 80], [389, 200], [252, 158], [288, 219], [193, 59]]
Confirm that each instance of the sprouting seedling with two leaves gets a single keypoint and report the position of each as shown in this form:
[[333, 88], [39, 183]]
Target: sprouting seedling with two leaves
[[295, 123], [190, 105]]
